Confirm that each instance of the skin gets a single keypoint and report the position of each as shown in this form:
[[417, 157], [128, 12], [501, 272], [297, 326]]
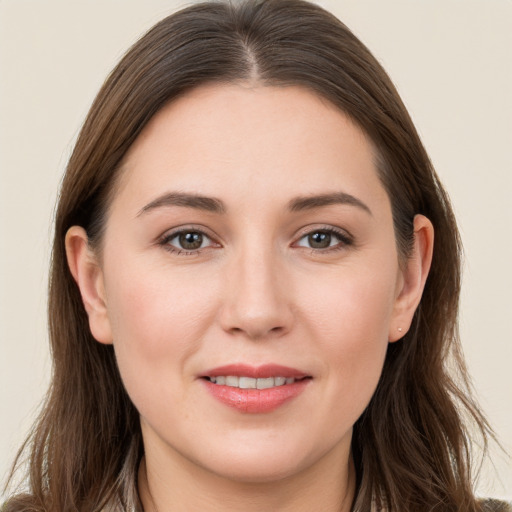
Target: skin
[[256, 292]]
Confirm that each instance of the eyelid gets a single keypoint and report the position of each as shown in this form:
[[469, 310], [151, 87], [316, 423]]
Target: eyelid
[[164, 239], [346, 238]]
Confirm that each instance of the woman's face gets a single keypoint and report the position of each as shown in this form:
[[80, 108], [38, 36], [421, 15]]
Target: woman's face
[[250, 239]]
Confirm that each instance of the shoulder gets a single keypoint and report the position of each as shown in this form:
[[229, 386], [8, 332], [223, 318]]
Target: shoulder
[[496, 506]]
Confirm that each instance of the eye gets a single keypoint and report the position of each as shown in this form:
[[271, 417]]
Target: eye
[[324, 239], [188, 240]]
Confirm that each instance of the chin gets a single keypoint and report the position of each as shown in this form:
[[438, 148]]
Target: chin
[[261, 471], [263, 462]]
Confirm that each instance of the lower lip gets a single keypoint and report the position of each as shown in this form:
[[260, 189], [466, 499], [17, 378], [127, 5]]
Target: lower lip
[[256, 401]]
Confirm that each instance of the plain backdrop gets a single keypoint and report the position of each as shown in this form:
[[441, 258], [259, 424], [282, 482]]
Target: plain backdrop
[[451, 61]]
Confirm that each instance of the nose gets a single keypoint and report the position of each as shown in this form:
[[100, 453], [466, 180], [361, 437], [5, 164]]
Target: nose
[[256, 304]]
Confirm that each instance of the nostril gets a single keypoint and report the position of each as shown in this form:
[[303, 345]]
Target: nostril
[[258, 331]]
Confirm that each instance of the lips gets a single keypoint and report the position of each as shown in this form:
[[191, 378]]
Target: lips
[[253, 389], [263, 371]]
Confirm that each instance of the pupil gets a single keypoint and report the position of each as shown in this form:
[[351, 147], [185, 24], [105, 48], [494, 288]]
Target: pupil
[[191, 241], [320, 240]]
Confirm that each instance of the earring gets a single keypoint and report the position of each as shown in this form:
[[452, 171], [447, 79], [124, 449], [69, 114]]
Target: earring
[[399, 329]]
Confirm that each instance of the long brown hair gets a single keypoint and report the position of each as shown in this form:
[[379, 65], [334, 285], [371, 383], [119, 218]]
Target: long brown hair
[[412, 444]]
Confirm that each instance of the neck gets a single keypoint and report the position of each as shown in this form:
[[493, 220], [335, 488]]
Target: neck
[[327, 485]]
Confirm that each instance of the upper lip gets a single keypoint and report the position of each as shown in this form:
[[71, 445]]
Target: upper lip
[[256, 372]]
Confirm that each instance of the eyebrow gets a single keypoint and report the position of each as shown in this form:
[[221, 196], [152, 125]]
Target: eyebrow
[[209, 204], [317, 201], [214, 205]]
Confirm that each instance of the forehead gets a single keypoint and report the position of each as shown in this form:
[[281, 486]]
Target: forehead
[[228, 140]]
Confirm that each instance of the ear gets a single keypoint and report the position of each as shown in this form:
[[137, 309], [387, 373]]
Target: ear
[[86, 271], [412, 278]]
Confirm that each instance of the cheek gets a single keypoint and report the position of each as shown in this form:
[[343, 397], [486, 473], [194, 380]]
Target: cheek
[[158, 321], [353, 304], [350, 323], [152, 306]]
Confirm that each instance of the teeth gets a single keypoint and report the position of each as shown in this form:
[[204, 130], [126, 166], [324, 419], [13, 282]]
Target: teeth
[[251, 383], [232, 381], [247, 383], [265, 383]]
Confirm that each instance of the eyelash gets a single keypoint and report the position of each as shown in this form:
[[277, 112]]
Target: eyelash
[[165, 241], [344, 240]]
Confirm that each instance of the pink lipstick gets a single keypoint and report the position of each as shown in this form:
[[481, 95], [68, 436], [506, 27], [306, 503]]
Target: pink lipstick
[[255, 389]]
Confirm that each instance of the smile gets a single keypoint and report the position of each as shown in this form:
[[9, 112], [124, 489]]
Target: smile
[[251, 382], [255, 389]]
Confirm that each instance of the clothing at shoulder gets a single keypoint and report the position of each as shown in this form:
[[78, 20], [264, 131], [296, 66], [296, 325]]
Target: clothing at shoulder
[[496, 506], [487, 505]]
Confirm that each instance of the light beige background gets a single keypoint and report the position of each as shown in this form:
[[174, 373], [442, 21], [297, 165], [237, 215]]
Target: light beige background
[[451, 61]]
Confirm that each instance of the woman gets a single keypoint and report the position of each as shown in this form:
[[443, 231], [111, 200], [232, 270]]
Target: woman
[[247, 307]]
